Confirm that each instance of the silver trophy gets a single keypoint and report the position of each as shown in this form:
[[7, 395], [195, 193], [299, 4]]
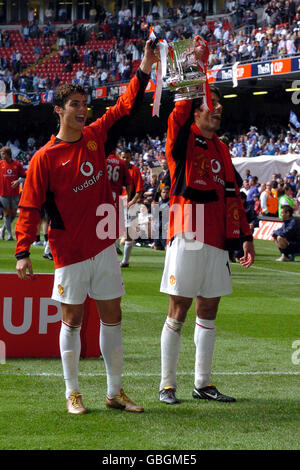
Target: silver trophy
[[186, 61]]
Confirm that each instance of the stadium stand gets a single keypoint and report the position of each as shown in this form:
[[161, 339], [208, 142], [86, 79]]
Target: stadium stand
[[37, 57]]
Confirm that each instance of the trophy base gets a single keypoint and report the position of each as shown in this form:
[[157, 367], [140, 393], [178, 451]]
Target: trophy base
[[189, 94]]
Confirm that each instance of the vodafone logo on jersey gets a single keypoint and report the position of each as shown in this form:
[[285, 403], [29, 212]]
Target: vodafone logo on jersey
[[215, 166], [216, 169], [87, 170]]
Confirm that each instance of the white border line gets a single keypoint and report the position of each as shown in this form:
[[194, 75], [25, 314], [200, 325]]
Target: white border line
[[277, 271]]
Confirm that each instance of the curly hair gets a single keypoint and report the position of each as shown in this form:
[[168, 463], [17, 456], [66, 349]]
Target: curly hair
[[63, 93]]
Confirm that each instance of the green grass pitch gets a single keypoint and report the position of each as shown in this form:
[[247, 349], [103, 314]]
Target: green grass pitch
[[255, 360]]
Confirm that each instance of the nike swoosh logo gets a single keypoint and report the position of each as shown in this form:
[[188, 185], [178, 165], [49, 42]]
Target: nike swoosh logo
[[212, 396], [64, 163]]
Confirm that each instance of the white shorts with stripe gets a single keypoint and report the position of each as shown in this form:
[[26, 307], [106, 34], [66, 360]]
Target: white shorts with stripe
[[195, 269], [99, 277]]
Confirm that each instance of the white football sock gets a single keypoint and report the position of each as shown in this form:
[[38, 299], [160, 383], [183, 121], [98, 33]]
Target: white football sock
[[7, 224], [127, 252], [170, 346], [111, 347], [204, 339], [70, 347]]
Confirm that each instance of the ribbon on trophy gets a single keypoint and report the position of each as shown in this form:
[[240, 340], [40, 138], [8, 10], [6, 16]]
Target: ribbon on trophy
[[202, 64], [161, 70]]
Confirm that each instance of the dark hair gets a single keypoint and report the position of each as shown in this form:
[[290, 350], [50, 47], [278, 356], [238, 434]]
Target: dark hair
[[63, 93], [216, 91], [126, 150], [287, 186], [288, 209], [197, 102]]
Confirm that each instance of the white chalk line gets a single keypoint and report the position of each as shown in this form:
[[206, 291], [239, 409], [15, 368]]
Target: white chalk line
[[278, 271], [145, 374]]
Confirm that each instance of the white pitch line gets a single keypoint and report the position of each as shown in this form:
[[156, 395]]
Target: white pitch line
[[146, 374], [274, 270]]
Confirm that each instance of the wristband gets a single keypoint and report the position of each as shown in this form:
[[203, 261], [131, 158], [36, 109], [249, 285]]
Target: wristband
[[22, 255]]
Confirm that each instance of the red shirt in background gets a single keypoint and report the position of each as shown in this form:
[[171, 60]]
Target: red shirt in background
[[10, 172], [118, 175]]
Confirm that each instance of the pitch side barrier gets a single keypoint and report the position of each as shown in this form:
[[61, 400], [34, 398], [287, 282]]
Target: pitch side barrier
[[30, 320], [267, 225]]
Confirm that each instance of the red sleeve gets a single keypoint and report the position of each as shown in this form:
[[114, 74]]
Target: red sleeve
[[177, 118], [244, 225], [36, 183], [32, 198], [26, 229], [21, 171]]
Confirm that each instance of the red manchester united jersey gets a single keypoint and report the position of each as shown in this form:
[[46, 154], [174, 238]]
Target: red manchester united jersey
[[118, 175], [71, 179], [10, 172], [206, 220], [137, 183]]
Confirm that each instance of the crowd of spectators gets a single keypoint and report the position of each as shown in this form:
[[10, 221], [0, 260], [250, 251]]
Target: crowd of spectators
[[240, 39], [277, 34], [274, 140], [278, 186], [106, 65], [147, 153]]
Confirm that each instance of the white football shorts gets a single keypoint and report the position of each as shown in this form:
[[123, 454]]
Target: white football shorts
[[99, 277], [195, 269]]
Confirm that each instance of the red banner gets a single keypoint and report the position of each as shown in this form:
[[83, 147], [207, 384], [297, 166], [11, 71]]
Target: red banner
[[30, 320], [265, 230], [281, 66], [101, 92]]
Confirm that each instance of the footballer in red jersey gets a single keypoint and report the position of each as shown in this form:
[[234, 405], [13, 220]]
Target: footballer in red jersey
[[69, 176], [206, 218], [137, 189], [120, 179], [12, 174], [118, 175]]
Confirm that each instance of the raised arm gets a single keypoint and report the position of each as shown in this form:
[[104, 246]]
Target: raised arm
[[129, 101]]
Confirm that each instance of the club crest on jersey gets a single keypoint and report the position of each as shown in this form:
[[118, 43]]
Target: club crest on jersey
[[201, 165], [60, 289], [172, 280], [92, 145], [233, 212]]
